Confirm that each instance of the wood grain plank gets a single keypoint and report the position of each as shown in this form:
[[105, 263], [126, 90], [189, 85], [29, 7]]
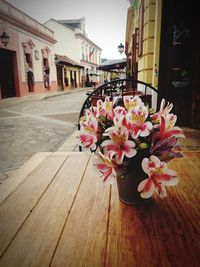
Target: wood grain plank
[[37, 239], [10, 184], [194, 158], [19, 205], [83, 240], [164, 233]]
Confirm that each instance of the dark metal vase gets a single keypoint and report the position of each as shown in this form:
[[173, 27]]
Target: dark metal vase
[[128, 179]]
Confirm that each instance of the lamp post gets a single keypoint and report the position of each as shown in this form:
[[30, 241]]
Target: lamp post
[[4, 38], [120, 48]]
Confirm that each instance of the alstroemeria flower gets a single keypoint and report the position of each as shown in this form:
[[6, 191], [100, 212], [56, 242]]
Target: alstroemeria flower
[[119, 146], [132, 102], [87, 140], [159, 177], [164, 111], [119, 118], [105, 165], [137, 124], [88, 132], [170, 120], [89, 125], [166, 140], [167, 130], [106, 108]]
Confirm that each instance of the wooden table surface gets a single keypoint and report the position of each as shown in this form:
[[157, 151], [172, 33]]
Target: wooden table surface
[[56, 211]]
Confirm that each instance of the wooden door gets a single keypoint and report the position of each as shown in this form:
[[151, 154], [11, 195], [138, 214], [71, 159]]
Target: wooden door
[[59, 77], [7, 83], [178, 53], [75, 81]]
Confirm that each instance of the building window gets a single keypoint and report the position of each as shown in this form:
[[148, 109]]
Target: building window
[[36, 54], [86, 53], [83, 52]]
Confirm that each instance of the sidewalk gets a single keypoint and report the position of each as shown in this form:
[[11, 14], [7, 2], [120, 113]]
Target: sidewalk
[[70, 143], [7, 102]]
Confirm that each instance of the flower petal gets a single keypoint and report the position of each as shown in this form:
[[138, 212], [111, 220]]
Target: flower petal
[[171, 182], [145, 165], [146, 187]]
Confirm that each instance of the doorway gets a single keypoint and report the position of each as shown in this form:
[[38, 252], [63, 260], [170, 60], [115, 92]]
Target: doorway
[[75, 81], [30, 76], [59, 77], [7, 82], [178, 65], [71, 79]]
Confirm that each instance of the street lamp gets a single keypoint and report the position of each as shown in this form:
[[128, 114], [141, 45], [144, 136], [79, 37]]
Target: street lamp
[[4, 38], [121, 48]]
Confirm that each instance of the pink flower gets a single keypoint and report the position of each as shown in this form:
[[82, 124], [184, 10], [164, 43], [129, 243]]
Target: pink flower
[[119, 118], [167, 130], [88, 140], [159, 177], [164, 111], [137, 124], [132, 102], [88, 132], [119, 146], [105, 165], [106, 108]]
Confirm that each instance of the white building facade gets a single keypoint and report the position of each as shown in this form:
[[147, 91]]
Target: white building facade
[[77, 55], [90, 58], [27, 61], [67, 59]]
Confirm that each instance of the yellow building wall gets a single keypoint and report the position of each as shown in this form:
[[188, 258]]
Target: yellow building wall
[[148, 62], [158, 13], [145, 62]]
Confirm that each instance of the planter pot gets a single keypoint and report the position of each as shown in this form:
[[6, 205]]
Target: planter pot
[[128, 179]]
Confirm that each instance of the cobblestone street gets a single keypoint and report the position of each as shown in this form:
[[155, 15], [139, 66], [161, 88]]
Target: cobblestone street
[[33, 125]]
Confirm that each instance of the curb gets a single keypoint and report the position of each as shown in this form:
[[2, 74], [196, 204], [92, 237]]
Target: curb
[[65, 93]]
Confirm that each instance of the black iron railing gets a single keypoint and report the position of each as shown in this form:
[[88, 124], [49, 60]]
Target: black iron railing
[[120, 88]]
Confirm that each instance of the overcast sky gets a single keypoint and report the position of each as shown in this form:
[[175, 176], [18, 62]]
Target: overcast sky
[[105, 19]]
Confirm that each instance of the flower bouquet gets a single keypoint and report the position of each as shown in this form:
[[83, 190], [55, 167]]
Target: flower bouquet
[[131, 135]]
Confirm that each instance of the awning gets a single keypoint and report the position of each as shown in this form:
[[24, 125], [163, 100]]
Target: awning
[[61, 59], [113, 64]]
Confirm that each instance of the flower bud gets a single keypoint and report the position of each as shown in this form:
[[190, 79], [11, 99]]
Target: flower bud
[[143, 145], [151, 110]]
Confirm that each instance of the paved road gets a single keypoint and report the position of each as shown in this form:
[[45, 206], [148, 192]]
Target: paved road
[[35, 125]]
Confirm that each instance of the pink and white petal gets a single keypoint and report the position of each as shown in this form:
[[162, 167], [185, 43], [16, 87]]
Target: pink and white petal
[[162, 104], [131, 153], [93, 146], [149, 125], [171, 182], [144, 132], [142, 185], [175, 132], [155, 160], [171, 172], [107, 143], [130, 143], [146, 188], [95, 123], [88, 140], [145, 165], [161, 191], [99, 103], [119, 157]]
